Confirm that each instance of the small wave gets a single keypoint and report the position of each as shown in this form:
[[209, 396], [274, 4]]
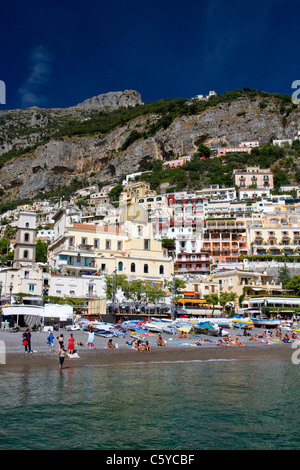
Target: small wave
[[163, 362]]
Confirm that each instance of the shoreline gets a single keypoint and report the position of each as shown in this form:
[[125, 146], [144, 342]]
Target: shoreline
[[122, 357], [176, 350]]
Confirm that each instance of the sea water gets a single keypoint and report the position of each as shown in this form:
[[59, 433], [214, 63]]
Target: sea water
[[195, 405]]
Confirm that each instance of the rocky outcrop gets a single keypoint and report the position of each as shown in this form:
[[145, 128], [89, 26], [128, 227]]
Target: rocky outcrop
[[112, 100], [58, 161]]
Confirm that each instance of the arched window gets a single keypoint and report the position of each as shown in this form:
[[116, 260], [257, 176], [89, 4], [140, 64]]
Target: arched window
[[161, 269], [27, 225], [132, 268], [25, 254], [146, 269], [120, 266], [26, 237]]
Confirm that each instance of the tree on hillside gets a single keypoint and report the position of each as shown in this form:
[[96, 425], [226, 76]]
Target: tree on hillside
[[115, 192], [203, 151]]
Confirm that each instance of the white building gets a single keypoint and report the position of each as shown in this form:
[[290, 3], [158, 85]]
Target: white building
[[247, 193], [250, 144], [85, 286], [282, 142]]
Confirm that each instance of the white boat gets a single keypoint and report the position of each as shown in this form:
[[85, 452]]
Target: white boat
[[265, 322], [103, 329], [157, 325]]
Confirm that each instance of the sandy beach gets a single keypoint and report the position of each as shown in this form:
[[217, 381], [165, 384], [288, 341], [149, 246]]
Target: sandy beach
[[176, 349]]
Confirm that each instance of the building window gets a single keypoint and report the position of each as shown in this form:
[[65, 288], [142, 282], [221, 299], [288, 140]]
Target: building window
[[26, 237], [161, 269], [25, 254], [132, 268], [119, 245], [31, 287], [103, 267], [146, 244], [146, 269], [83, 241], [27, 225], [26, 275], [96, 243], [71, 241], [120, 266], [107, 244]]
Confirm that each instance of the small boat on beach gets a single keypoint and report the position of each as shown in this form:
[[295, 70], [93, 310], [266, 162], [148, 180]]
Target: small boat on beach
[[207, 329], [242, 323], [103, 329], [157, 325], [265, 322]]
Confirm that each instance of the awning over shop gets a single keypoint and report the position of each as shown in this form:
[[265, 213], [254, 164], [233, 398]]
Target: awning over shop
[[193, 301]]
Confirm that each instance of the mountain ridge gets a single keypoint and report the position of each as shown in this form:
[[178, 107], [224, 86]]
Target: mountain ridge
[[107, 136]]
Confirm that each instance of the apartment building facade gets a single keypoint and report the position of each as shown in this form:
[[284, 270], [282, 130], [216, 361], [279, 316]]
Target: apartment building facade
[[253, 176]]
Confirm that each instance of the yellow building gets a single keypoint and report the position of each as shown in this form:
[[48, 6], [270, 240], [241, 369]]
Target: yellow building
[[247, 283], [277, 233], [134, 191], [89, 249]]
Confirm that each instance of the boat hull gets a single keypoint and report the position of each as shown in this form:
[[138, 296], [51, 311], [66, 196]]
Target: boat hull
[[265, 323]]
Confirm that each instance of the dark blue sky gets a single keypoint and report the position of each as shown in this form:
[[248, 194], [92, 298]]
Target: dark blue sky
[[59, 53]]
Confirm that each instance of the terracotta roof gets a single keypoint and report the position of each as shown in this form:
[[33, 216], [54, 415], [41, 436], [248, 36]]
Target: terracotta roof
[[98, 228]]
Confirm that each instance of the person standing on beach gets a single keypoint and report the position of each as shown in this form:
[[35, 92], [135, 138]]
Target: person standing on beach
[[90, 341], [50, 338], [27, 340], [61, 355], [71, 346], [60, 339]]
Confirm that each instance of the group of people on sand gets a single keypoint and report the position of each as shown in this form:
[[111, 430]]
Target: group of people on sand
[[278, 335], [141, 346], [230, 341]]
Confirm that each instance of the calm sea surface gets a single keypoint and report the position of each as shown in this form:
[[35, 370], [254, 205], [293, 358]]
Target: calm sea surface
[[198, 405]]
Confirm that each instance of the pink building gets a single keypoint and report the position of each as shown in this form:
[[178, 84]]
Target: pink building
[[177, 163], [223, 150]]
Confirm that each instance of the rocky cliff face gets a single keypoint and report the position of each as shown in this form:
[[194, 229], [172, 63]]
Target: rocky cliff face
[[56, 162], [112, 100]]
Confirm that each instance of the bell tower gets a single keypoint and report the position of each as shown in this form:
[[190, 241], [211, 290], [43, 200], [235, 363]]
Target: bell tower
[[25, 240]]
